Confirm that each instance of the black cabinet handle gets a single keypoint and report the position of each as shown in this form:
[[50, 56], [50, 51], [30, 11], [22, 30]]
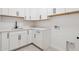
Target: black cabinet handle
[[17, 13], [34, 35], [19, 37], [7, 35], [28, 32]]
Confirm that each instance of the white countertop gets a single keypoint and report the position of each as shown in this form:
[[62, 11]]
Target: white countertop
[[11, 30]]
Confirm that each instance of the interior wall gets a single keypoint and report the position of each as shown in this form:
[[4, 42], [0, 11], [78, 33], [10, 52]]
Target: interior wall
[[9, 23], [68, 30]]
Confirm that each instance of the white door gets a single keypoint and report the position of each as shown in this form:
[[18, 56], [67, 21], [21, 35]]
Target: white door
[[60, 10], [5, 41], [43, 13], [14, 43], [50, 11], [13, 11], [27, 14], [72, 9]]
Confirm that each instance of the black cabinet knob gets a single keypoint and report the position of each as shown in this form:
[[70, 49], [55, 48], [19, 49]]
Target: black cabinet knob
[[77, 37]]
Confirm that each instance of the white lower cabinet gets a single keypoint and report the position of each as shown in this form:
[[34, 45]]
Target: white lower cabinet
[[14, 40], [24, 38], [18, 39], [4, 41], [41, 38]]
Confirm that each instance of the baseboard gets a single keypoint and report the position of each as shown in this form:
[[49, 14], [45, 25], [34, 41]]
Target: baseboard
[[37, 47], [27, 46], [21, 47], [57, 48]]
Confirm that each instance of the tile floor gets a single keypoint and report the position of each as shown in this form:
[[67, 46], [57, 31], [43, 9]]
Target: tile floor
[[33, 48]]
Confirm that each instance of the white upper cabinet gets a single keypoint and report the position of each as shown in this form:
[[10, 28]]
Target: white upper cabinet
[[50, 11], [72, 9], [32, 14], [12, 12], [35, 14], [16, 12], [4, 11], [60, 10], [43, 13], [27, 14], [20, 12]]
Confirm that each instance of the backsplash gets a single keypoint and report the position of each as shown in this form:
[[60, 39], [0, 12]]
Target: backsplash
[[9, 23]]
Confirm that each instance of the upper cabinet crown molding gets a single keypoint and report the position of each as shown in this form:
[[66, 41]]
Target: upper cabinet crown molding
[[36, 13]]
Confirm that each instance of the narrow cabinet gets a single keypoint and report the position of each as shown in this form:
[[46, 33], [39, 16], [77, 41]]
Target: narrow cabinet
[[4, 41], [14, 40]]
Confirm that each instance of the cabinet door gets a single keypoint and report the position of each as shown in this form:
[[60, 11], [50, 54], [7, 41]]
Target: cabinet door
[[50, 11], [27, 14], [35, 14], [46, 39], [13, 11], [5, 41], [4, 11], [60, 10], [24, 38], [14, 43], [38, 38], [43, 13], [20, 12], [72, 9]]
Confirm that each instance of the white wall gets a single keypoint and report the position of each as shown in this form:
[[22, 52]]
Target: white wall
[[69, 30], [9, 23]]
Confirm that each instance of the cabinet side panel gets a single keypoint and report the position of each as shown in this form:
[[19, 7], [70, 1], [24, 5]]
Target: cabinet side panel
[[0, 40]]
